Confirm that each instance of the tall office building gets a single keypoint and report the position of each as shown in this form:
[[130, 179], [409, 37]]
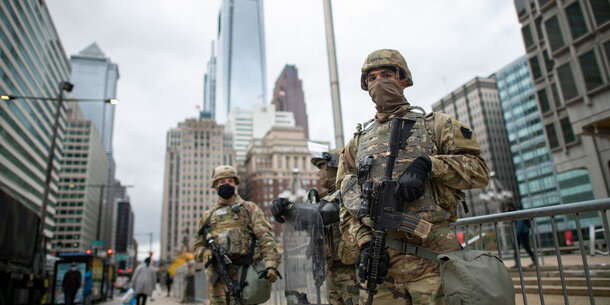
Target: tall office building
[[534, 167], [568, 49], [193, 149], [288, 96], [477, 104], [95, 76], [242, 67], [209, 88], [246, 125], [84, 171], [125, 247], [32, 63], [270, 167]]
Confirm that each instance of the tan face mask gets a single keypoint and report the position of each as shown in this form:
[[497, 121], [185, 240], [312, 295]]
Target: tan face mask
[[388, 98]]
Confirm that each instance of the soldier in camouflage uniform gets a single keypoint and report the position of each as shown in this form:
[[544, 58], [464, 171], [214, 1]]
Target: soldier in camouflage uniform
[[340, 250], [441, 158], [233, 223]]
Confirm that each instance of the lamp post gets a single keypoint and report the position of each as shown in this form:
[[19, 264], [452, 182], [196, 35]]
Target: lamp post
[[63, 86]]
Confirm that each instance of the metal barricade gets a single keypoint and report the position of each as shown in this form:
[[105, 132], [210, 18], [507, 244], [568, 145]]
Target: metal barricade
[[496, 225]]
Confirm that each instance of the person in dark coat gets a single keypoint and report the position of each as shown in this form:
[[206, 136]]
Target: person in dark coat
[[71, 283], [522, 230]]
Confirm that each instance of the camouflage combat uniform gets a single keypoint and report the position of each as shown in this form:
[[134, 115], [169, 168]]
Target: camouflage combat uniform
[[341, 251], [456, 164], [234, 231]]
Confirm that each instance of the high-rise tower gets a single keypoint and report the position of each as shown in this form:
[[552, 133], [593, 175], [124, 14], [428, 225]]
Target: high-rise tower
[[209, 88], [242, 75], [288, 96]]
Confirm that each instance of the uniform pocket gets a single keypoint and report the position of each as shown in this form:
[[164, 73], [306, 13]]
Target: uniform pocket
[[350, 193]]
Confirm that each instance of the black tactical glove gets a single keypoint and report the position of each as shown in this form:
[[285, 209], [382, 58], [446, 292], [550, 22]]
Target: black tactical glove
[[270, 273], [364, 261], [279, 208], [329, 212], [412, 182]]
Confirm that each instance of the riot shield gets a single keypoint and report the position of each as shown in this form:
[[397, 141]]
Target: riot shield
[[304, 258]]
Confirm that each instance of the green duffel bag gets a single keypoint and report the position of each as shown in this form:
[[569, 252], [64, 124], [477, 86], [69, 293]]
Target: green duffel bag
[[255, 290], [475, 277]]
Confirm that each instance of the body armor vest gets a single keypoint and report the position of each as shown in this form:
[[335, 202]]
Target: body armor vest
[[232, 231], [374, 141]]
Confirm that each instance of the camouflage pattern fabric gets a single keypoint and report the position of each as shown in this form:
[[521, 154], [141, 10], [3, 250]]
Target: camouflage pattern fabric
[[416, 280], [456, 165], [341, 284], [233, 231], [218, 294]]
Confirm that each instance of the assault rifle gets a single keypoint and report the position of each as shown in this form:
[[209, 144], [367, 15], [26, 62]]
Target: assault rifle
[[379, 203], [221, 262]]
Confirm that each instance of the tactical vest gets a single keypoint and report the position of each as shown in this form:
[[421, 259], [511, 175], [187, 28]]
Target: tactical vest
[[232, 231], [374, 139]]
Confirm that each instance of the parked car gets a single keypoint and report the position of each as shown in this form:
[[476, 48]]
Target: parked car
[[122, 283]]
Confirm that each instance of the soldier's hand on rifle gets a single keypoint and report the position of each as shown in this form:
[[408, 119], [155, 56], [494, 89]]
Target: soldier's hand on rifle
[[364, 262], [206, 257], [271, 274], [279, 208], [412, 182]]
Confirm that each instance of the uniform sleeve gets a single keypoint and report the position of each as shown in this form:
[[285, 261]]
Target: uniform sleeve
[[262, 230], [347, 162], [349, 223], [458, 164], [200, 242]]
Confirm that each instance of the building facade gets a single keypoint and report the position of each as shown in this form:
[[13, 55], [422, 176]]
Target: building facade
[[125, 247], [271, 165], [83, 175], [288, 96], [209, 88], [245, 125], [194, 148], [32, 63], [568, 50], [95, 77], [477, 104], [534, 167], [242, 66]]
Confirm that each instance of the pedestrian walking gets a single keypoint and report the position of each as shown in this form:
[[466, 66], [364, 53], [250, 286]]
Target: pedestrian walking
[[87, 288], [143, 282], [71, 283], [522, 230]]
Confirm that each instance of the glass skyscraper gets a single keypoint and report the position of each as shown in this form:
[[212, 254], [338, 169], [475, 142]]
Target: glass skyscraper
[[241, 57], [539, 183], [95, 77], [32, 63]]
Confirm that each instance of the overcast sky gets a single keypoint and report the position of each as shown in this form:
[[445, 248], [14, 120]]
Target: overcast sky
[[162, 48]]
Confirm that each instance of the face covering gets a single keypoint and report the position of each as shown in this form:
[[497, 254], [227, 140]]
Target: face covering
[[73, 268], [226, 191], [388, 98]]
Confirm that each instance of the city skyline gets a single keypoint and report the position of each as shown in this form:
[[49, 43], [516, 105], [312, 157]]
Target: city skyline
[[176, 39]]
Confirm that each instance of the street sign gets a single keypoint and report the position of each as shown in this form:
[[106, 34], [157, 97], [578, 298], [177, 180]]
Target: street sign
[[97, 243], [121, 257]]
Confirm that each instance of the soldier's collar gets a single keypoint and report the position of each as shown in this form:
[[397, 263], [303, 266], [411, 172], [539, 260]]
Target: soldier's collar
[[238, 199]]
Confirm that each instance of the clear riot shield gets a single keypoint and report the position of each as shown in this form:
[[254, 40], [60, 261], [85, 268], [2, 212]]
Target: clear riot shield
[[304, 258]]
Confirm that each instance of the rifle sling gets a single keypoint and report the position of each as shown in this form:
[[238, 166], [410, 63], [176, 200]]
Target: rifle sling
[[411, 249]]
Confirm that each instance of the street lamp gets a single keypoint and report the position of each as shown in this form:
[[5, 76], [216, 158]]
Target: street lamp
[[63, 86]]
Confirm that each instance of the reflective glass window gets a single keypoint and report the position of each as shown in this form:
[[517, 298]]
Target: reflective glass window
[[568, 131], [553, 32], [590, 70], [551, 135], [566, 79], [601, 11], [578, 27], [535, 66], [527, 36], [544, 101]]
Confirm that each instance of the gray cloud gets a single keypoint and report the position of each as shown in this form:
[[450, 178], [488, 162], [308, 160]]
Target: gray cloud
[[162, 48]]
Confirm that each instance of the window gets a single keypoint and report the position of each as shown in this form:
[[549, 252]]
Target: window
[[535, 66], [567, 84], [544, 101], [568, 132], [541, 3], [527, 36], [553, 32], [520, 7], [549, 63], [551, 136], [538, 22], [607, 49], [601, 11], [578, 27], [590, 70], [556, 95]]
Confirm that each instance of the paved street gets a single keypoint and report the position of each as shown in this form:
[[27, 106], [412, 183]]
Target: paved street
[[161, 300]]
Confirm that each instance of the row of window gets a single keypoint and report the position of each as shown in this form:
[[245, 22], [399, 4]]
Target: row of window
[[567, 132]]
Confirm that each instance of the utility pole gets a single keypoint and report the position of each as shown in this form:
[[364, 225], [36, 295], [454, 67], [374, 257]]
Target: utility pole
[[334, 77]]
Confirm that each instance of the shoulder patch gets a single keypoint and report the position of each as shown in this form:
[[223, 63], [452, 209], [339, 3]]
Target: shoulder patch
[[467, 133]]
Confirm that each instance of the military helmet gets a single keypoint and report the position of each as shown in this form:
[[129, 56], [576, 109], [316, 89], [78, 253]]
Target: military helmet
[[385, 58], [224, 171], [331, 157]]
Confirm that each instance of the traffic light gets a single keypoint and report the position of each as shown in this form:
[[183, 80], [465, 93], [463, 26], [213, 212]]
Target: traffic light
[[88, 251], [109, 251], [120, 271]]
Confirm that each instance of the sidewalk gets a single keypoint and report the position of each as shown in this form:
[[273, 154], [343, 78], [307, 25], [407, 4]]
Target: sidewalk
[[160, 300]]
